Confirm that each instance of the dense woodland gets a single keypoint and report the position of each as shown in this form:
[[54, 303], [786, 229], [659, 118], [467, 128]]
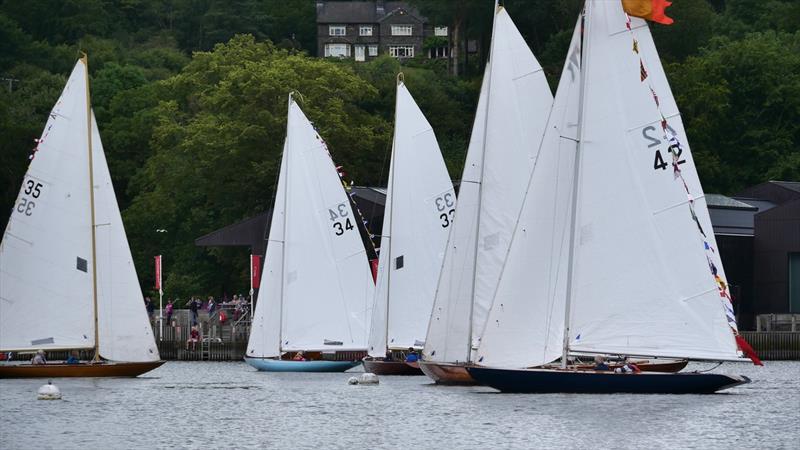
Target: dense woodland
[[190, 96]]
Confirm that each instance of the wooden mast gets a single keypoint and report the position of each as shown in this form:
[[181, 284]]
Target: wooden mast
[[85, 60]]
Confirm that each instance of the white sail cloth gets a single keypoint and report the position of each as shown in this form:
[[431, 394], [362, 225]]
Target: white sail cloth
[[46, 288], [642, 281], [509, 124], [420, 206], [525, 324], [325, 282]]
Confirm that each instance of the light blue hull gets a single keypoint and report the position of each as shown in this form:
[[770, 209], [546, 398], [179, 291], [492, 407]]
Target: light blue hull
[[274, 365]]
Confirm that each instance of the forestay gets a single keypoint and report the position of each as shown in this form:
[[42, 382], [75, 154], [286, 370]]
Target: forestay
[[509, 125], [326, 282], [525, 324], [642, 280], [420, 206], [46, 252]]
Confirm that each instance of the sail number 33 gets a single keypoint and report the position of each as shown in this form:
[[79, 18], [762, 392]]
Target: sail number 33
[[340, 218], [31, 190], [445, 207]]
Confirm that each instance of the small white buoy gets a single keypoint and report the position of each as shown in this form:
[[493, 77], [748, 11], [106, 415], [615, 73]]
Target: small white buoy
[[352, 380], [368, 378], [49, 391]]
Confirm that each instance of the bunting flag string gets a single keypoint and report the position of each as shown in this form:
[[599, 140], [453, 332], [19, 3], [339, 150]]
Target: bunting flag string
[[676, 149]]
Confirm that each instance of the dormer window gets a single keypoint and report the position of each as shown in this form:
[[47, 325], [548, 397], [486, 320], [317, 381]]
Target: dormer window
[[337, 30], [401, 30], [365, 30]]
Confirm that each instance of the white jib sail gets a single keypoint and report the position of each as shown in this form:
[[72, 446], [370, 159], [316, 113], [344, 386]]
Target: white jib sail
[[265, 331], [642, 280], [420, 206], [328, 287], [46, 252], [124, 330], [503, 149], [526, 321]]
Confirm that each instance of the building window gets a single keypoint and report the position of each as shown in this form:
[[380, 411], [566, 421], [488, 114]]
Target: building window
[[401, 30], [337, 30], [438, 52], [440, 31], [337, 50], [401, 51], [372, 50], [365, 30]]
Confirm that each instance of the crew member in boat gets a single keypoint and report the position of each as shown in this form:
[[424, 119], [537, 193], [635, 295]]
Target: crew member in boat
[[412, 355], [388, 356], [299, 356], [73, 358], [39, 358], [600, 363]]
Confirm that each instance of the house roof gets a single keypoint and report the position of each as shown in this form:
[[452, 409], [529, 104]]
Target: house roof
[[777, 192], [721, 201], [359, 11]]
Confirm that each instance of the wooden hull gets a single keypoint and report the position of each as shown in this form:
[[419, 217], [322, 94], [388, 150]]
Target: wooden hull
[[379, 367], [83, 370], [447, 373], [543, 381], [277, 365], [663, 366]]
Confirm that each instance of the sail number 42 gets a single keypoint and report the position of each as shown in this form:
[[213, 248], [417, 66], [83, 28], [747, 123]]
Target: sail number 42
[[658, 162], [30, 190], [340, 219]]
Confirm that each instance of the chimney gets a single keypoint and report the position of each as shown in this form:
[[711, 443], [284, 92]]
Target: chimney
[[380, 8]]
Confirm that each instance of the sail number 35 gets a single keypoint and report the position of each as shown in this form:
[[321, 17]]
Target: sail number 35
[[340, 219], [30, 190], [445, 205]]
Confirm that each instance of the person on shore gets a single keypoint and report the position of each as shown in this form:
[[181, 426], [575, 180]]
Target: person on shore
[[168, 310], [412, 355], [600, 364], [211, 307], [194, 338], [193, 307], [150, 307], [39, 358], [73, 358]]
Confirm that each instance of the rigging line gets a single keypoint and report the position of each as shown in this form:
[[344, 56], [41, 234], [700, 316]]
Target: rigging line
[[709, 370]]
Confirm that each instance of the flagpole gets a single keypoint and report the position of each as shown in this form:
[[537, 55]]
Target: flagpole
[[252, 289], [160, 302]]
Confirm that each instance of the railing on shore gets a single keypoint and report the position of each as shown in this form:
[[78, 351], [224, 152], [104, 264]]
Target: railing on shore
[[774, 345], [218, 341]]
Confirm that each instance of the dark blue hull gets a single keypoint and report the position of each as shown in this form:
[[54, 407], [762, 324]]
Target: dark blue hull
[[542, 381]]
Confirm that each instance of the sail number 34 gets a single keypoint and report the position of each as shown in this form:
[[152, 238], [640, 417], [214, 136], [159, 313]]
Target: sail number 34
[[31, 190], [340, 219]]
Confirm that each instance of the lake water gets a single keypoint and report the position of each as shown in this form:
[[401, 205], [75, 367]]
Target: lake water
[[230, 405]]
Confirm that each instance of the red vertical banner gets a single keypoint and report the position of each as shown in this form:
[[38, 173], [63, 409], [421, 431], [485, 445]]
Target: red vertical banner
[[255, 271], [158, 272]]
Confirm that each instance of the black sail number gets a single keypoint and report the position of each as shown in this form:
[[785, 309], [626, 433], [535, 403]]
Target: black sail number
[[25, 206], [658, 159], [445, 207], [31, 190], [447, 218], [340, 218]]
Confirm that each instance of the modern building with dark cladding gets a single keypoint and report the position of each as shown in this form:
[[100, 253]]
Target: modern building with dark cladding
[[362, 30], [757, 233]]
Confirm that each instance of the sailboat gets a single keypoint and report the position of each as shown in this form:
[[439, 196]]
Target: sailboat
[[510, 120], [317, 288], [614, 252], [420, 206], [67, 280]]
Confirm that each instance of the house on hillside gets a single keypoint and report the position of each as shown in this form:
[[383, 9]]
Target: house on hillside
[[365, 29]]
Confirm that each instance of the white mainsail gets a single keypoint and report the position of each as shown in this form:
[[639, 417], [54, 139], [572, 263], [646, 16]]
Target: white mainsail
[[642, 283], [420, 205], [525, 323], [509, 124], [125, 333], [46, 252], [324, 281], [46, 287]]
